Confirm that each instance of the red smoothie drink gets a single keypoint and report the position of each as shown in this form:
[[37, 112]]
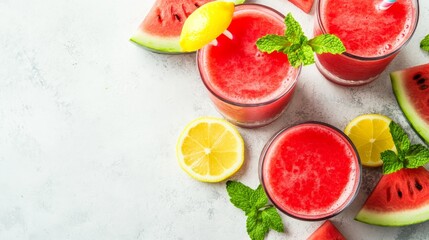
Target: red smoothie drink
[[248, 87], [310, 171], [372, 37]]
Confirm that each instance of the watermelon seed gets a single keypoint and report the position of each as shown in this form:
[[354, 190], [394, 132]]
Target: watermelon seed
[[410, 189], [185, 11], [421, 81], [399, 194], [177, 17], [197, 5], [418, 185], [417, 76], [158, 12], [423, 87]]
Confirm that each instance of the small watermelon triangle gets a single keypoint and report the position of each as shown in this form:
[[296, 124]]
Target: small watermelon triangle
[[400, 198], [160, 30], [327, 231], [304, 5]]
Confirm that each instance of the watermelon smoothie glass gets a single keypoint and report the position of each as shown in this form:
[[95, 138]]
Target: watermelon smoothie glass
[[248, 87], [310, 171], [372, 37]]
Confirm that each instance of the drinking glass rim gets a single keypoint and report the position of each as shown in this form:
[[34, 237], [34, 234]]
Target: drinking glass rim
[[201, 51], [345, 204], [322, 28]]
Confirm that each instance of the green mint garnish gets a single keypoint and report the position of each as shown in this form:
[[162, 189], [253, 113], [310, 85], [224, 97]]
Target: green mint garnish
[[424, 44], [260, 215], [297, 46], [408, 156]]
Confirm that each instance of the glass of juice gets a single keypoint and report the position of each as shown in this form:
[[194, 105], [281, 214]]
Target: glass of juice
[[372, 37], [310, 171], [248, 87]]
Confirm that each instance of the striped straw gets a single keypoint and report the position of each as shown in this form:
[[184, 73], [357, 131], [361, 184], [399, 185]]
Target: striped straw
[[386, 4]]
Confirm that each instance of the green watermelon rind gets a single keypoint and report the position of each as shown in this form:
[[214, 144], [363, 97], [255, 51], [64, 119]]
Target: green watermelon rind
[[159, 44], [417, 123], [156, 43], [394, 219]]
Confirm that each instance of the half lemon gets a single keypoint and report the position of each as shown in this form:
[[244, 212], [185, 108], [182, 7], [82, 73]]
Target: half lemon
[[210, 149], [371, 136]]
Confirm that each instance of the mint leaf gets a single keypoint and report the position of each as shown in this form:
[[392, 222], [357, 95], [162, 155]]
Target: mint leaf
[[327, 43], [255, 227], [297, 46], [259, 199], [424, 44], [272, 219], [409, 156], [391, 162], [417, 156], [400, 139], [300, 56], [260, 215], [240, 195], [270, 43], [293, 30]]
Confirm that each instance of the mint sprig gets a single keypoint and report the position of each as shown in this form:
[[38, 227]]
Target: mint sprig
[[297, 46], [408, 155], [261, 217], [424, 44]]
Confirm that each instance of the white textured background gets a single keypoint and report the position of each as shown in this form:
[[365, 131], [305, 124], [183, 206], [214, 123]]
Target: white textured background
[[89, 122]]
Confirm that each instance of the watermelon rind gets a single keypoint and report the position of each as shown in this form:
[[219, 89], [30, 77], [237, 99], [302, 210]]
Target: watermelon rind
[[394, 219], [156, 43], [405, 103], [162, 44]]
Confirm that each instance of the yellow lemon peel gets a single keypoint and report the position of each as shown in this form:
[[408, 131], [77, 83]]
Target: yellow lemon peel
[[205, 24]]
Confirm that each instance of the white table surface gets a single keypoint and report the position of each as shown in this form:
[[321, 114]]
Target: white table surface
[[89, 123]]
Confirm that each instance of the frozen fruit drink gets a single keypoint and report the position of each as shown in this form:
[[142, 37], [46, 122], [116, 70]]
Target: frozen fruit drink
[[248, 87], [372, 37], [310, 171]]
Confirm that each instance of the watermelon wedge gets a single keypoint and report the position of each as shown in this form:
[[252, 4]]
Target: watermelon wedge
[[411, 89], [327, 231], [400, 198], [160, 29], [304, 5]]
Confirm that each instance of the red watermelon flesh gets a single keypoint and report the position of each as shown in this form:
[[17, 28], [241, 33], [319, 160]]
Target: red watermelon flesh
[[304, 5], [160, 29], [411, 89], [400, 198], [327, 231]]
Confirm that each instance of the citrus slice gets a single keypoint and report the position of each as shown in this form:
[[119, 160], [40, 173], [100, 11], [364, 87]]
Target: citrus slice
[[371, 136], [205, 24], [210, 149]]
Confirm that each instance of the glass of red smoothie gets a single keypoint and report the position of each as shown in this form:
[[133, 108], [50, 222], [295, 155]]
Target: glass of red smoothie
[[372, 37], [248, 87], [310, 171]]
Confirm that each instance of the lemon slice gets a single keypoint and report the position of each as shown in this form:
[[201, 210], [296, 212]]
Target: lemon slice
[[210, 149], [205, 24], [371, 135]]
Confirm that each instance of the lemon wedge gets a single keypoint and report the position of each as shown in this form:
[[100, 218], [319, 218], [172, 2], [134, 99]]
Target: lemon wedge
[[205, 24], [210, 149], [371, 135]]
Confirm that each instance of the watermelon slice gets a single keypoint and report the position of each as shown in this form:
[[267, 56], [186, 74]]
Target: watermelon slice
[[160, 30], [411, 89], [304, 5], [400, 198], [327, 231]]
